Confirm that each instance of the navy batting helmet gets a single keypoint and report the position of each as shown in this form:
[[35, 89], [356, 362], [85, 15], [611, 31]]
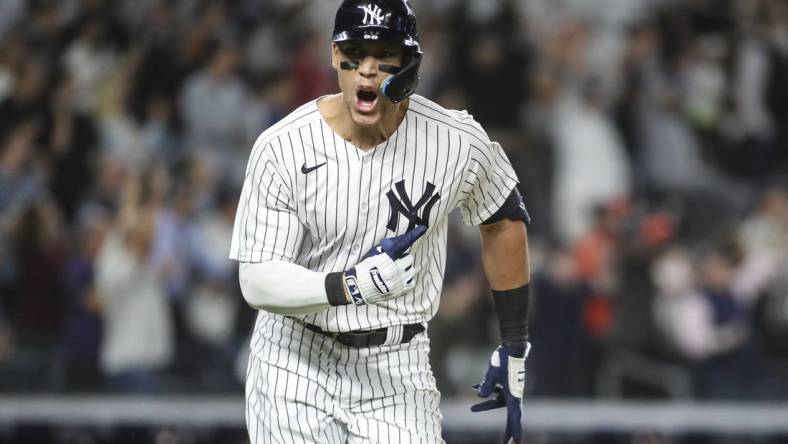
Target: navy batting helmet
[[389, 20]]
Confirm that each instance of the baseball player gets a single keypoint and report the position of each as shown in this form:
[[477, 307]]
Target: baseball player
[[341, 238]]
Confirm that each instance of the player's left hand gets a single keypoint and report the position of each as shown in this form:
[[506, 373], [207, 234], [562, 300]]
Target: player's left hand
[[506, 377]]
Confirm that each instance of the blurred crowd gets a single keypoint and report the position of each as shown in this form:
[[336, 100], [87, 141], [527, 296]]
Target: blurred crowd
[[650, 138]]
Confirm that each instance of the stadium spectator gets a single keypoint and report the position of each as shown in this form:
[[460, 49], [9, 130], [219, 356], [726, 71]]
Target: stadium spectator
[[591, 167], [88, 59], [213, 103], [562, 357], [732, 370], [69, 140], [138, 331], [83, 314]]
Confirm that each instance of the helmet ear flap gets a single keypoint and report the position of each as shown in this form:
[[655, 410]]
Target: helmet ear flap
[[403, 83]]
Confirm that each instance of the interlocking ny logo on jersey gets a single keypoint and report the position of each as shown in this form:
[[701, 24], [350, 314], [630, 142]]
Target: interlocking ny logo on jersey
[[373, 15], [402, 205]]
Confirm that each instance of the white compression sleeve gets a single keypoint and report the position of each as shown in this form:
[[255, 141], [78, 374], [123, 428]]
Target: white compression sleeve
[[283, 288]]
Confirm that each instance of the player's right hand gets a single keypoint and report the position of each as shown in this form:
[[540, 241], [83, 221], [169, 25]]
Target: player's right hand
[[505, 377], [385, 272]]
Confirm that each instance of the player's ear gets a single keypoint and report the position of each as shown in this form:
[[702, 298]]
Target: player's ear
[[336, 55]]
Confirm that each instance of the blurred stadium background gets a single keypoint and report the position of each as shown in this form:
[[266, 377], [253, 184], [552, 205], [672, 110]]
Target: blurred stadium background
[[650, 136]]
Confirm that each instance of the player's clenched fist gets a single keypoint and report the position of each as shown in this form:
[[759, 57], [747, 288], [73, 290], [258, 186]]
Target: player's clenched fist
[[385, 272]]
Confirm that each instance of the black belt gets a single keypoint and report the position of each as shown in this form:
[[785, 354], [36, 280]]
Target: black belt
[[370, 338]]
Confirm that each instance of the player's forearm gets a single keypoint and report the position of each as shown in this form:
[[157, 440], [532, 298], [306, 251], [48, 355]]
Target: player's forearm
[[505, 260], [283, 288], [505, 254]]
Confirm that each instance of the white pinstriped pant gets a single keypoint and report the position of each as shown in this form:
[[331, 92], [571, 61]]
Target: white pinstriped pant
[[303, 387]]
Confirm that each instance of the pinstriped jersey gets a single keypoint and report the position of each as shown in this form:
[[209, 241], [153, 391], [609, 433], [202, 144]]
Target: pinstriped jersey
[[311, 198]]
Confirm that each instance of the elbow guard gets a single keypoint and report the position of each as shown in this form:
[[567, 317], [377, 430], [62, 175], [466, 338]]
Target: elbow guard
[[513, 208]]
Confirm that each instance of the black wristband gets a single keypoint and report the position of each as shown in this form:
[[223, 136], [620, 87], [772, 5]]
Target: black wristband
[[335, 289], [512, 309]]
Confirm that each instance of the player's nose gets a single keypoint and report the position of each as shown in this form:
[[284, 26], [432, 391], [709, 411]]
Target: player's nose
[[368, 67]]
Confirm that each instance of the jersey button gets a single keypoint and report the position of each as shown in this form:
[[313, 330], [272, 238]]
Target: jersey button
[[367, 159], [364, 207], [355, 248]]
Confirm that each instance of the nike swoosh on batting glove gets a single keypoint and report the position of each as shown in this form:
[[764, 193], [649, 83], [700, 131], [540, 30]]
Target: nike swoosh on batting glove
[[506, 378], [385, 272]]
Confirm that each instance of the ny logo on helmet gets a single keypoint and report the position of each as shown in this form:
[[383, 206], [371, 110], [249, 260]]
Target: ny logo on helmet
[[403, 206], [373, 15]]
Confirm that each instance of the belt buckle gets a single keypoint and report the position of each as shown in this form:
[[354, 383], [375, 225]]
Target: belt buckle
[[333, 335]]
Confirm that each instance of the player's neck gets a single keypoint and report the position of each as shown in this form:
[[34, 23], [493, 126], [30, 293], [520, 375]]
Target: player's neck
[[365, 137]]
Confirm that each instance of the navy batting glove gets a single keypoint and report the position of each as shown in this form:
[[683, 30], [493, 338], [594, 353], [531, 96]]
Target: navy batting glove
[[506, 378], [396, 246], [378, 276]]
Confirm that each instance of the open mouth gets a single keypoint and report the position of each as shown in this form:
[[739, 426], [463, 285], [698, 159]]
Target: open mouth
[[366, 98]]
